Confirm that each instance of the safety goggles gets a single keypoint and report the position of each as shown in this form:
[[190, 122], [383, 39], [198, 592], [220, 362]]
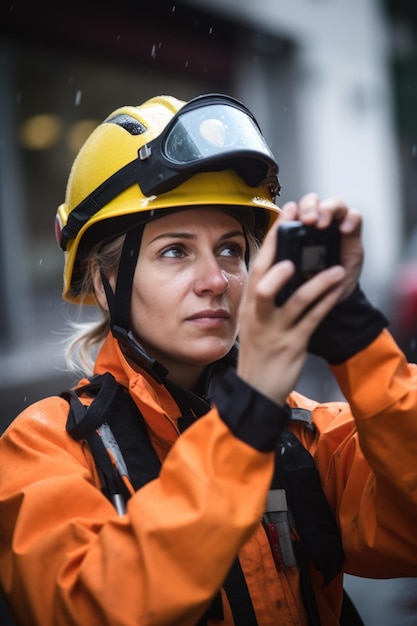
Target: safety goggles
[[210, 133]]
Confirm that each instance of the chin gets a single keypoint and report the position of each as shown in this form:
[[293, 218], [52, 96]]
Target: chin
[[212, 353]]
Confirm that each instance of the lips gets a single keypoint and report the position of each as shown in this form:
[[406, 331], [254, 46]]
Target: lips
[[210, 314]]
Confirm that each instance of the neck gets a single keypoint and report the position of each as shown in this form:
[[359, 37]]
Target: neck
[[186, 376]]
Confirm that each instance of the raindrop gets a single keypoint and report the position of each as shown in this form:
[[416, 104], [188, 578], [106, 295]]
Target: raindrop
[[414, 151], [210, 30], [118, 37], [78, 98], [413, 343], [186, 64], [153, 55], [40, 262], [173, 8]]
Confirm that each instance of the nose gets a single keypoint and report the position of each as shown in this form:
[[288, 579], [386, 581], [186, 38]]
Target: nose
[[211, 279]]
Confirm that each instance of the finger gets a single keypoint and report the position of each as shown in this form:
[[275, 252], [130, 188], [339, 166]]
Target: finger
[[306, 324], [289, 212], [259, 297], [331, 209], [273, 281], [351, 224], [309, 209], [320, 213], [315, 290]]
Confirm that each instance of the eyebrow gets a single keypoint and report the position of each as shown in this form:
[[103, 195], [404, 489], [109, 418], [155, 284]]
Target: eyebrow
[[187, 235]]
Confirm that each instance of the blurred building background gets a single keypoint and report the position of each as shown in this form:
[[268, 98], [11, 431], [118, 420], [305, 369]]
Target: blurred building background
[[333, 85]]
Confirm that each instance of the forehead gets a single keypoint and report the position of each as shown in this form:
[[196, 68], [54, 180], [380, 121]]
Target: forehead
[[195, 219]]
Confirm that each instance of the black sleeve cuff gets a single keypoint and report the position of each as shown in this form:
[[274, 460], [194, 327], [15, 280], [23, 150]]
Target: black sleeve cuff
[[251, 416], [349, 328]]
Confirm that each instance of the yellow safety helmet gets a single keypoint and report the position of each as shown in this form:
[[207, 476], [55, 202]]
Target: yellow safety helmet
[[163, 155]]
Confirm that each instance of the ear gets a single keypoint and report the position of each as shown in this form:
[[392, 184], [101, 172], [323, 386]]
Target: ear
[[99, 289]]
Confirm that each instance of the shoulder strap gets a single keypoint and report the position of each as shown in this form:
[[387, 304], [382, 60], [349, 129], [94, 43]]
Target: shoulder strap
[[128, 427], [100, 424], [84, 422], [114, 416], [82, 419]]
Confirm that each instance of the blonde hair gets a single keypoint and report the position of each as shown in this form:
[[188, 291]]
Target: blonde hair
[[87, 337]]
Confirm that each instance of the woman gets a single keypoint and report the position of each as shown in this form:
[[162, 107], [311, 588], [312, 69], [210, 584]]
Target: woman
[[254, 512]]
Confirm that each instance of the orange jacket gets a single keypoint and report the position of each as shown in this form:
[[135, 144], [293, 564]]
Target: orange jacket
[[67, 558]]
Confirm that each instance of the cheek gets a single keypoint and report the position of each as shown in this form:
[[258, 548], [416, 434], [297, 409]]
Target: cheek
[[143, 303], [145, 300], [237, 285], [155, 299]]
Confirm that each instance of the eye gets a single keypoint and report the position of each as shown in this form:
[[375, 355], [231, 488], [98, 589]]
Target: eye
[[232, 249], [173, 252]]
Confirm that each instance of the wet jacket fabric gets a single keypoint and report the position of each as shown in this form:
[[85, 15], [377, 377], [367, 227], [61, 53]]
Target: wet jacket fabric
[[67, 558]]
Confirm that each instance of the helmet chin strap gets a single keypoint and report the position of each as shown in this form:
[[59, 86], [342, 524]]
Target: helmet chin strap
[[119, 306]]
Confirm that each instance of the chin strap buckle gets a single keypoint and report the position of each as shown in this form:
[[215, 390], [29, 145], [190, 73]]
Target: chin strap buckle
[[133, 351]]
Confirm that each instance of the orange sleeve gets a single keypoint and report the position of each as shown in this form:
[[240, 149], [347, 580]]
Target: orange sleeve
[[65, 556], [369, 471]]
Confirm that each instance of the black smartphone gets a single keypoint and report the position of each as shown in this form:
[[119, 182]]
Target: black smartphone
[[311, 249]]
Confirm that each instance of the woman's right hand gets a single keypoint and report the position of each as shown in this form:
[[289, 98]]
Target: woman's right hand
[[273, 340]]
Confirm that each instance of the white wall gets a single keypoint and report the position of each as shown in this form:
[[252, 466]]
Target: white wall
[[344, 139]]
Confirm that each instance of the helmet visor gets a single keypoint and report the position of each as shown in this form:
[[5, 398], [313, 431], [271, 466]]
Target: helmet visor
[[209, 133]]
